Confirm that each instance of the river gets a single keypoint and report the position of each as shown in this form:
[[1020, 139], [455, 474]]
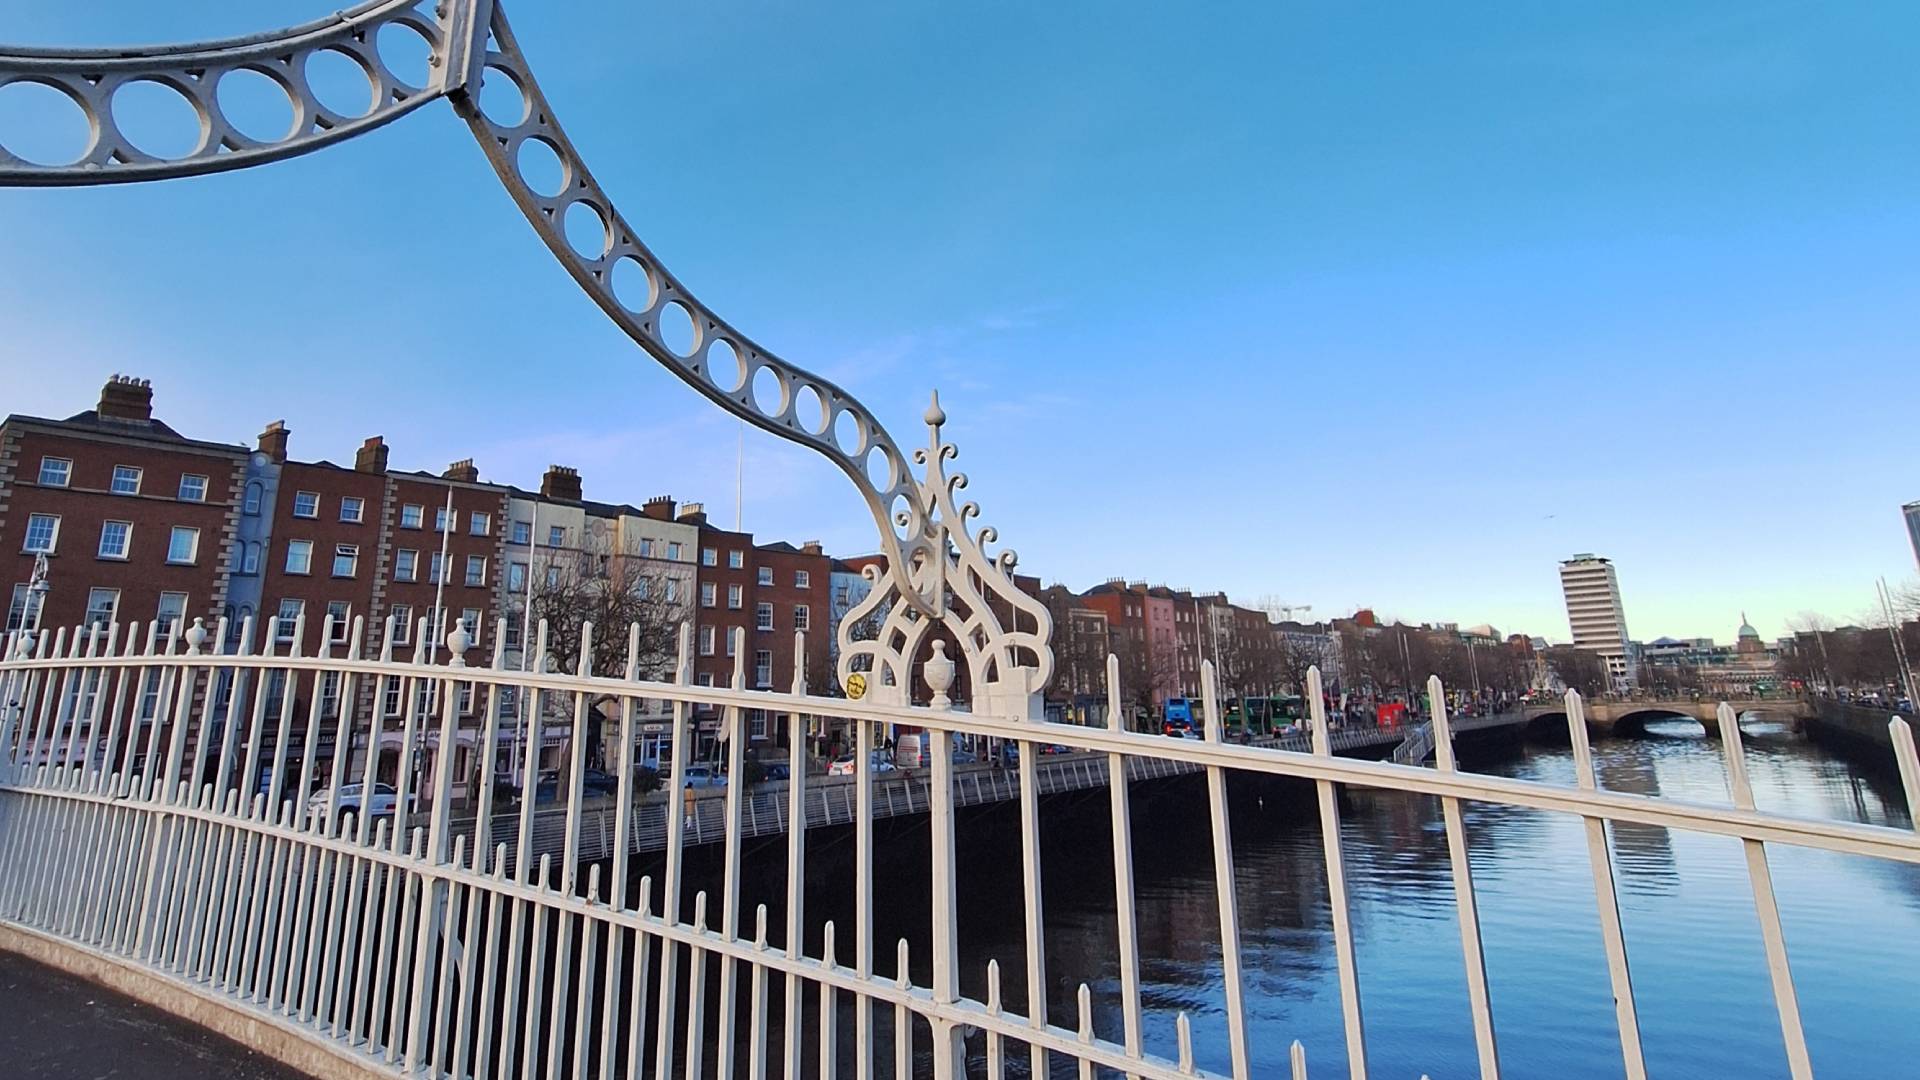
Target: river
[[1700, 979]]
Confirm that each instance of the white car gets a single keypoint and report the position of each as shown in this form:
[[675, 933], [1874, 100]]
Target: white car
[[351, 801], [843, 765]]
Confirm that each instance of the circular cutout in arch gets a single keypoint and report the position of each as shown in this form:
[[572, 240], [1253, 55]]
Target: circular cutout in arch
[[42, 125], [724, 366], [880, 467], [632, 284], [406, 54], [540, 167], [848, 433], [676, 329], [586, 230], [339, 82], [769, 391], [157, 120], [501, 98], [255, 105], [810, 411]]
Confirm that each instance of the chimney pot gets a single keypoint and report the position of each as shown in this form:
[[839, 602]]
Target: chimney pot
[[372, 456], [126, 399], [560, 482], [463, 470], [273, 440]]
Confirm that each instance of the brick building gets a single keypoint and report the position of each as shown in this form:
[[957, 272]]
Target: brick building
[[135, 520]]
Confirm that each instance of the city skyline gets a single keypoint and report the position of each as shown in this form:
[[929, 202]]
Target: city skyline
[[1412, 370]]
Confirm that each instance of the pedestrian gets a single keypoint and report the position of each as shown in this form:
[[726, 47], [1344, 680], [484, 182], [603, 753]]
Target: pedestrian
[[689, 803]]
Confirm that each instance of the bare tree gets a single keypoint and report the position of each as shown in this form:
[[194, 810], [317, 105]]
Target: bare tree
[[1580, 669]]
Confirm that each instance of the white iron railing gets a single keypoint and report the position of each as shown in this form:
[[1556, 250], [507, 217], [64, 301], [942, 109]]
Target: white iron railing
[[129, 826]]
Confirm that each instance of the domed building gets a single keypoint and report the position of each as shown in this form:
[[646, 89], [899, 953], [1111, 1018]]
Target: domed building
[[1752, 664]]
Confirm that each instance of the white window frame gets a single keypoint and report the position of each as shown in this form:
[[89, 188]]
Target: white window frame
[[709, 594], [410, 571], [646, 547], [522, 533], [763, 615], [673, 550], [17, 608], [113, 607], [305, 547], [470, 618], [187, 494], [193, 545], [762, 668], [735, 597], [802, 617], [516, 577], [802, 579], [707, 637], [160, 616], [283, 624], [343, 624], [436, 568], [556, 536], [709, 556], [310, 500], [479, 524], [736, 560], [349, 552], [64, 472], [764, 577], [359, 506], [443, 520], [402, 615], [121, 472], [412, 516], [126, 541], [476, 572], [53, 534]]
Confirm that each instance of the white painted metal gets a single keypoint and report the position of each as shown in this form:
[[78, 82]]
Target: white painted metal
[[1606, 893], [1337, 885], [1224, 884], [1466, 906]]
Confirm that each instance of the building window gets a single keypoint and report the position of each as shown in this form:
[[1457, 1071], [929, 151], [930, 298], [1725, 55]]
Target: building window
[[802, 618], [436, 567], [556, 536], [734, 597], [299, 556], [765, 577], [353, 509], [252, 560], [390, 702], [757, 719], [17, 611], [646, 548], [126, 480], [553, 576], [56, 471], [441, 518], [763, 670], [736, 560], [763, 616], [183, 545], [287, 622], [437, 624], [251, 507], [733, 642], [171, 610], [705, 678], [706, 638], [402, 615], [476, 570], [802, 579], [329, 693], [193, 487], [522, 532], [516, 576], [709, 557], [101, 604], [406, 564], [708, 594], [673, 591], [115, 538], [43, 532], [673, 550], [306, 504], [479, 524], [470, 618], [411, 515], [513, 635], [341, 614], [346, 559]]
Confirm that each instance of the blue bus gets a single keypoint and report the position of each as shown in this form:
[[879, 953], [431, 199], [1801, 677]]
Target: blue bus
[[1178, 717]]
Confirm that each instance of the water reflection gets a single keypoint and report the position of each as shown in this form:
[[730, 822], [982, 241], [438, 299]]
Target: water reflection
[[1853, 925]]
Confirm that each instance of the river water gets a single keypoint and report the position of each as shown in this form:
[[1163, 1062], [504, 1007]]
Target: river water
[[1700, 978]]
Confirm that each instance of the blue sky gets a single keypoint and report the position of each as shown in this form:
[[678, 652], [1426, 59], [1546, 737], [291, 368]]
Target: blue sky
[[1393, 307]]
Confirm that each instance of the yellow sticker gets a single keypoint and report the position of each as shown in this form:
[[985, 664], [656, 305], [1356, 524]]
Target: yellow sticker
[[856, 686]]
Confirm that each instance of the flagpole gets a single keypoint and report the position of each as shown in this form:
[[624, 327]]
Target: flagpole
[[526, 635]]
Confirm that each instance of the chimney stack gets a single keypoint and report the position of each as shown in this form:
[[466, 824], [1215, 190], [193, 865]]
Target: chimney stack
[[273, 441], [812, 547], [660, 508], [372, 456], [694, 513], [560, 482], [464, 471], [127, 399]]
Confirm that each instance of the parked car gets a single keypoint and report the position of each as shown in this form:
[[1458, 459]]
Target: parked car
[[843, 765], [350, 801], [963, 757], [705, 776], [595, 782], [777, 771]]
